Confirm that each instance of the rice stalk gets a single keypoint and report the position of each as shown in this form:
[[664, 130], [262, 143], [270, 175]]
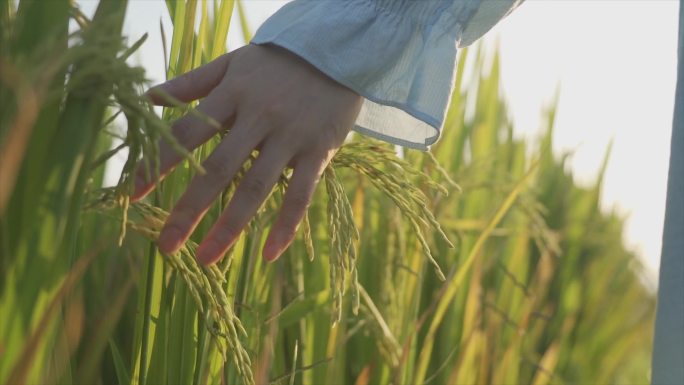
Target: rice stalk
[[205, 283], [397, 179]]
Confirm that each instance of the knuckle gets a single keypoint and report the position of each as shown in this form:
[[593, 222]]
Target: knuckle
[[216, 166], [182, 131], [275, 110], [189, 79], [228, 231], [293, 213], [188, 208], [298, 202], [290, 223], [254, 187]]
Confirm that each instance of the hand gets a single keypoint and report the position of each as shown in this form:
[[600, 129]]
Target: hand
[[272, 101]]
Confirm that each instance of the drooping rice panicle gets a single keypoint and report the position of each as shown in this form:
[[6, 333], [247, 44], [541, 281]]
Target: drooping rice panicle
[[391, 175], [343, 235], [205, 283]]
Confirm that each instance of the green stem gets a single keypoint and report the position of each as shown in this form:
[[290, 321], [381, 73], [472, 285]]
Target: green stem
[[202, 349], [149, 280]]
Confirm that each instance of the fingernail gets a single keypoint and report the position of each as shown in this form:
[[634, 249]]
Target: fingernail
[[208, 252], [272, 251], [170, 239]]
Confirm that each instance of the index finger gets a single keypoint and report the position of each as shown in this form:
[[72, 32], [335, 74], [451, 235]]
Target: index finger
[[190, 131]]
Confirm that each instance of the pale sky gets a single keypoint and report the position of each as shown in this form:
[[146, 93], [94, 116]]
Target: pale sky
[[613, 62]]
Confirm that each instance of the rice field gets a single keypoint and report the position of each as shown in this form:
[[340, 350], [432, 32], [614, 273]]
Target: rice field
[[479, 262]]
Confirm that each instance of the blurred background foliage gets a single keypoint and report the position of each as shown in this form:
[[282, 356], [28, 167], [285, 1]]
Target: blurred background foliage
[[539, 287]]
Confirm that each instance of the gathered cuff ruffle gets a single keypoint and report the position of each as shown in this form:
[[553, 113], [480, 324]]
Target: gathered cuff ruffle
[[399, 55]]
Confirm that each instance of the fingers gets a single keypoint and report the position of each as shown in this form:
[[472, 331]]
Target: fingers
[[220, 168], [190, 131], [248, 197], [302, 185], [192, 85]]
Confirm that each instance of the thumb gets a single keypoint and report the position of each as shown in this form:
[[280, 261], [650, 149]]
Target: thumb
[[192, 85]]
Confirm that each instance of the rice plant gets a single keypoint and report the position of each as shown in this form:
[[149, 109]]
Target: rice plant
[[481, 262]]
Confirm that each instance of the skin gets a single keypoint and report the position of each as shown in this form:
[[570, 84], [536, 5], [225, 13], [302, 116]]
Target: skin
[[273, 101]]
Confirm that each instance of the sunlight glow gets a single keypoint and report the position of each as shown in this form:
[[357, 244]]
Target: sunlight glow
[[613, 64]]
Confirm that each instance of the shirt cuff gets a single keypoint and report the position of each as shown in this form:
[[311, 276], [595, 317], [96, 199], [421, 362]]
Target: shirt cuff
[[399, 55]]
